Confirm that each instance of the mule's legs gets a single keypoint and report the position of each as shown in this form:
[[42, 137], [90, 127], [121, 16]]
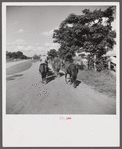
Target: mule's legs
[[70, 79], [45, 80], [66, 77], [74, 81], [74, 84], [42, 79], [58, 74]]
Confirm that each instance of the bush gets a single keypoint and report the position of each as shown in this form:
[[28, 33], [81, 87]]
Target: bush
[[101, 64]]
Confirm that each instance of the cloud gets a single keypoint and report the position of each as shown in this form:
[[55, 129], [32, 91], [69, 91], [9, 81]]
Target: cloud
[[15, 22], [50, 33], [28, 50], [20, 47], [18, 42], [20, 31], [113, 25], [52, 45], [38, 44]]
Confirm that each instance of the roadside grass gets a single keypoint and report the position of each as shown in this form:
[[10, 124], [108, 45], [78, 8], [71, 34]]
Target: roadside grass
[[17, 60], [19, 67], [104, 82]]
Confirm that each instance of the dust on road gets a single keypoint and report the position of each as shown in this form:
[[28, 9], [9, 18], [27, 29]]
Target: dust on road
[[27, 95]]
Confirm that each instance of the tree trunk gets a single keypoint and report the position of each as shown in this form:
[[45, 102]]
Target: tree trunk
[[109, 65], [95, 63]]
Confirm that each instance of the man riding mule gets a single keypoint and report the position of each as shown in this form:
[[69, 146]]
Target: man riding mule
[[43, 69], [56, 65]]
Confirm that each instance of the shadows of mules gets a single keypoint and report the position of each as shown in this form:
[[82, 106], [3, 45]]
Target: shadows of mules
[[13, 77], [51, 76], [77, 82], [50, 72], [61, 74]]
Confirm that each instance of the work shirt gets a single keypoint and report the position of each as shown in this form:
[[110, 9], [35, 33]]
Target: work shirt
[[43, 59]]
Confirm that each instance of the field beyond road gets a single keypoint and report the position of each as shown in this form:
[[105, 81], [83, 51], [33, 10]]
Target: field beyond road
[[27, 95], [18, 66]]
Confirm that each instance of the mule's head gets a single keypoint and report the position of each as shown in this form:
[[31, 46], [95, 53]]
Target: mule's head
[[62, 62]]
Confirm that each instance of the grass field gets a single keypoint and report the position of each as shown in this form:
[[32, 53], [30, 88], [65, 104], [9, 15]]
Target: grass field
[[103, 82], [19, 67]]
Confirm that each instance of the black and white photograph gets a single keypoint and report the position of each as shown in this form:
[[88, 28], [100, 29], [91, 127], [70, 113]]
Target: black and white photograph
[[61, 60]]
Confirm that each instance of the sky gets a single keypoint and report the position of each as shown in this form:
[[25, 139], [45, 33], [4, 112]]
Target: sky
[[29, 29]]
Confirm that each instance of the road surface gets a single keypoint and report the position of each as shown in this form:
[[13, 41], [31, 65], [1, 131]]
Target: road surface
[[27, 95]]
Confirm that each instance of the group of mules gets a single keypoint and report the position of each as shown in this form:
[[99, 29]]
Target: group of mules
[[69, 68]]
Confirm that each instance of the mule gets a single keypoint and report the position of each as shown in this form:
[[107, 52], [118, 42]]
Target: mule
[[43, 69], [56, 65], [72, 70]]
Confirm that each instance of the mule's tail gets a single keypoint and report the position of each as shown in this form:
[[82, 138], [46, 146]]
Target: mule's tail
[[46, 68], [74, 77]]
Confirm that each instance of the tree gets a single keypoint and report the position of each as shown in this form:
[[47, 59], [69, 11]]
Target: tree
[[52, 53], [19, 54], [92, 31], [15, 55], [36, 57]]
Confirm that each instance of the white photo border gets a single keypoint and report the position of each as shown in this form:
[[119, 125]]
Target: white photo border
[[49, 130]]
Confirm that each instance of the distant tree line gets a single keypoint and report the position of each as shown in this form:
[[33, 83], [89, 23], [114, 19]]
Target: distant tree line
[[36, 57], [16, 55]]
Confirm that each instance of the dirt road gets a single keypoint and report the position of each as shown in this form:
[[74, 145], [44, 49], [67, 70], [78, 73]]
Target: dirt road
[[27, 95]]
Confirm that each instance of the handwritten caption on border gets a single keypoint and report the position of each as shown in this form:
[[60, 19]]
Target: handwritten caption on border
[[64, 118]]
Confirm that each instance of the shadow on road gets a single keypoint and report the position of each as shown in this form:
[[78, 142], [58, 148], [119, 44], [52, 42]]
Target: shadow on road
[[13, 77], [61, 74], [50, 78], [51, 75], [77, 83]]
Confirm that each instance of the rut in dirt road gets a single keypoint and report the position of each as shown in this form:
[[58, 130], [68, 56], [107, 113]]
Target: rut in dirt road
[[27, 95]]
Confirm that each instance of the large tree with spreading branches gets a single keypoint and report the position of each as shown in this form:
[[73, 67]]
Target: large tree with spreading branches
[[91, 31]]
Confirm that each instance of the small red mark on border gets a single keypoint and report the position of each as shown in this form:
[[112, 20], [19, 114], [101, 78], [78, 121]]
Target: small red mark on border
[[63, 118], [68, 118]]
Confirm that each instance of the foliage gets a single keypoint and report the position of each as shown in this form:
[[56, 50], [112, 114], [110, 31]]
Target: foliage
[[36, 57], [101, 64], [52, 53], [86, 31], [15, 55]]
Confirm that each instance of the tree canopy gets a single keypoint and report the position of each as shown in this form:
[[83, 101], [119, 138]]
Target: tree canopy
[[15, 55], [52, 53], [91, 31]]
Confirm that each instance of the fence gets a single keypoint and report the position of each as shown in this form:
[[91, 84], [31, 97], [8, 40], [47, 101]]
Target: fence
[[112, 63]]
